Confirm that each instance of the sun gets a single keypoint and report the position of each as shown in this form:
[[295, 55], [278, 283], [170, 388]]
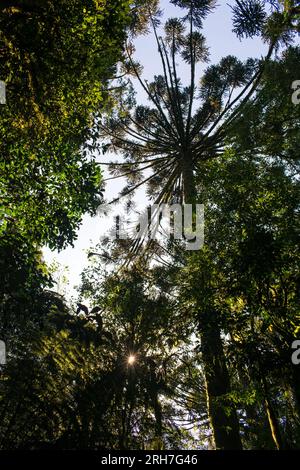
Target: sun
[[131, 359]]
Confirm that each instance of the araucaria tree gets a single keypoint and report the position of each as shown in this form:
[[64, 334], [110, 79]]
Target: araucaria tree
[[187, 124]]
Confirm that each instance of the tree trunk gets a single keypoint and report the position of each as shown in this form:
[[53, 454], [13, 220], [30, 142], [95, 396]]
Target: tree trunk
[[272, 418], [188, 179], [222, 413], [257, 434]]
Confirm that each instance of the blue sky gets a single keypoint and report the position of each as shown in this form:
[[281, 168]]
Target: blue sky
[[222, 42]]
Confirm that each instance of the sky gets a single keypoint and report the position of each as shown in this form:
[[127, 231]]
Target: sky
[[222, 42]]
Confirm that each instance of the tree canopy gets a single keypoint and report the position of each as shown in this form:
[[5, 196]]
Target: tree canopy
[[162, 348]]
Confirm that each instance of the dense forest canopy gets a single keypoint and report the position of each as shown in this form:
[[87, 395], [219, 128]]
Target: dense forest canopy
[[164, 348]]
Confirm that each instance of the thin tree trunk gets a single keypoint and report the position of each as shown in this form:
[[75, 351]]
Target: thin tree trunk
[[272, 418], [256, 423]]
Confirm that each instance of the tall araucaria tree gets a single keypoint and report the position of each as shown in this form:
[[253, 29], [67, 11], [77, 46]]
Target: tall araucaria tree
[[186, 125]]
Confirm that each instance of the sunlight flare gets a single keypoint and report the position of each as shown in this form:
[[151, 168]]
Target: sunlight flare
[[131, 359]]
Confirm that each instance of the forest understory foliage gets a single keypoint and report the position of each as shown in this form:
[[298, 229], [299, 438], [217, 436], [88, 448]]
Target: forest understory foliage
[[164, 348]]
